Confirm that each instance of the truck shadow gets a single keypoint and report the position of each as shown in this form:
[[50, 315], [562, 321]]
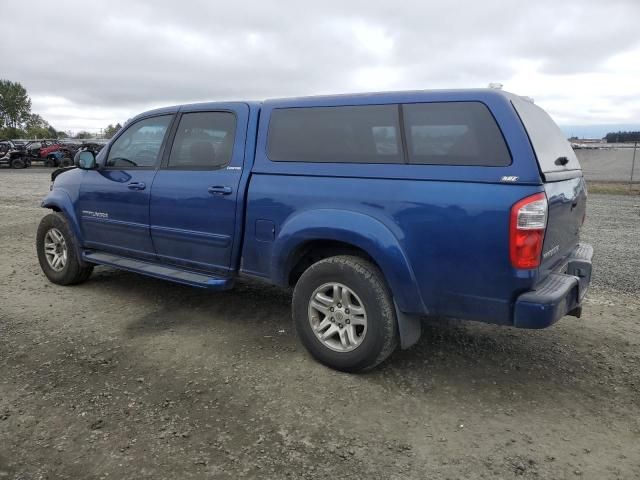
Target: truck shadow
[[465, 356]]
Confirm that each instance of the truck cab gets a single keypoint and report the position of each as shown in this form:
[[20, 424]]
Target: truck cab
[[376, 209]]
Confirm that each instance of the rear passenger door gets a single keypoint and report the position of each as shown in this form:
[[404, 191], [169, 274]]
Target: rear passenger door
[[194, 194]]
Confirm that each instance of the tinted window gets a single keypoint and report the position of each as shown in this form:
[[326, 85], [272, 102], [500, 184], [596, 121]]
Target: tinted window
[[140, 143], [454, 133], [547, 139], [350, 134], [203, 140]]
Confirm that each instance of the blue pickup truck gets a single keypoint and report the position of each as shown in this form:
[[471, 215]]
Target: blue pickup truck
[[377, 209]]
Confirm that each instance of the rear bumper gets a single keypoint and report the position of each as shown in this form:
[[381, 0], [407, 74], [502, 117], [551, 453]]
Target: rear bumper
[[560, 294]]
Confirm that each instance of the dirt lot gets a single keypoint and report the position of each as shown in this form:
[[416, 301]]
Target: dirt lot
[[130, 377]]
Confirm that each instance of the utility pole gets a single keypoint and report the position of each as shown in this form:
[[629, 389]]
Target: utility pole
[[633, 165]]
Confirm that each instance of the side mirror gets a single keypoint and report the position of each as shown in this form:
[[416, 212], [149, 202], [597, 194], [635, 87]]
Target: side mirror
[[86, 160]]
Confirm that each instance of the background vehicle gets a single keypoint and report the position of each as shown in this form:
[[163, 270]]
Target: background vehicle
[[52, 153], [11, 155], [34, 147], [45, 150], [59, 154], [378, 209]]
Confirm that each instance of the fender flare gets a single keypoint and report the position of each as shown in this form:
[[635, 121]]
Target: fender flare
[[357, 229], [60, 200]]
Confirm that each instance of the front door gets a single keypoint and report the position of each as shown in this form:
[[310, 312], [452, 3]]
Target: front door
[[194, 194], [113, 207]]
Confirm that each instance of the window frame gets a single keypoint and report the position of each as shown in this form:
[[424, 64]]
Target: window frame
[[164, 165], [161, 151], [403, 144]]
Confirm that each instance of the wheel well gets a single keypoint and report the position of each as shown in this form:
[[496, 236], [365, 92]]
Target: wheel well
[[316, 250]]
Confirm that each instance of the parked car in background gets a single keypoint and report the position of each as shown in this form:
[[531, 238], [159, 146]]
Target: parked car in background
[[5, 146], [34, 147], [57, 159], [45, 150], [59, 154], [377, 209], [12, 156], [52, 153]]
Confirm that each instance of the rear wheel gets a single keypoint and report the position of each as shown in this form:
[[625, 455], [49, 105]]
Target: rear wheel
[[344, 313], [66, 162], [18, 163], [57, 252]]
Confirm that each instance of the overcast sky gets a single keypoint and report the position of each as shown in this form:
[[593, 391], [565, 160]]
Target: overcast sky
[[88, 64]]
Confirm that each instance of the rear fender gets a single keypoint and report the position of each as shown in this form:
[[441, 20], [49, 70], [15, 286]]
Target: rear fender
[[357, 229]]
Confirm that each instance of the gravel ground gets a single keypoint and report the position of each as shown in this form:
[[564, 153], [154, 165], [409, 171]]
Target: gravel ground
[[129, 377]]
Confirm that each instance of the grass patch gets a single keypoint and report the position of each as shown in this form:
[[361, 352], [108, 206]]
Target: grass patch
[[613, 188]]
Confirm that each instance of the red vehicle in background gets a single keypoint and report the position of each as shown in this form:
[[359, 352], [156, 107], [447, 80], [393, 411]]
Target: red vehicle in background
[[56, 154], [44, 151]]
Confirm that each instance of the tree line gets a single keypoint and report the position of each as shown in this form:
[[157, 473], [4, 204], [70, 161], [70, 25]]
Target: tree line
[[18, 121], [16, 118], [108, 132], [619, 137]]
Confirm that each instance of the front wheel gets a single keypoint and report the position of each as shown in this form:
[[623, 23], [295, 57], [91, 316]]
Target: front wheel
[[344, 313], [57, 252]]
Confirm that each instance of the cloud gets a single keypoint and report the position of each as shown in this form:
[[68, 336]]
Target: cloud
[[91, 63]]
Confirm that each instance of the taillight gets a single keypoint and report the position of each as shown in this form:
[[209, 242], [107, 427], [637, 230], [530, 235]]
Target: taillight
[[526, 231]]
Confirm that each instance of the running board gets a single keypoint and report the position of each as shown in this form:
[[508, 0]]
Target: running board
[[172, 274]]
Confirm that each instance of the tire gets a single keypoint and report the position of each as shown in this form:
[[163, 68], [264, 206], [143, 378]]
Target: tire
[[49, 162], [55, 227], [366, 292], [18, 163], [66, 162]]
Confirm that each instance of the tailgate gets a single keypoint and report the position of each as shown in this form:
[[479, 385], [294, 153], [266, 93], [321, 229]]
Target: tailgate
[[567, 201]]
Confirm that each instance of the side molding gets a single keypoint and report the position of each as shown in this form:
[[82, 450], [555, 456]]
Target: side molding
[[359, 230]]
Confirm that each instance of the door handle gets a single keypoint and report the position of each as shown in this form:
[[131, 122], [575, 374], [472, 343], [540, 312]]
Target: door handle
[[219, 190], [137, 186]]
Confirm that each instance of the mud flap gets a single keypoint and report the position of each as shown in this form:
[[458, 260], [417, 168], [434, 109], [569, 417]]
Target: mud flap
[[409, 328]]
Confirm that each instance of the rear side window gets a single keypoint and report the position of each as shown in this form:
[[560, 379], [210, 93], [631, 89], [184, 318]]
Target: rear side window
[[345, 134], [204, 140], [454, 133], [553, 150]]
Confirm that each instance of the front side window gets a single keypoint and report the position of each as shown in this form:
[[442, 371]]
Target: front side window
[[204, 140], [139, 145], [454, 133], [344, 134]]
